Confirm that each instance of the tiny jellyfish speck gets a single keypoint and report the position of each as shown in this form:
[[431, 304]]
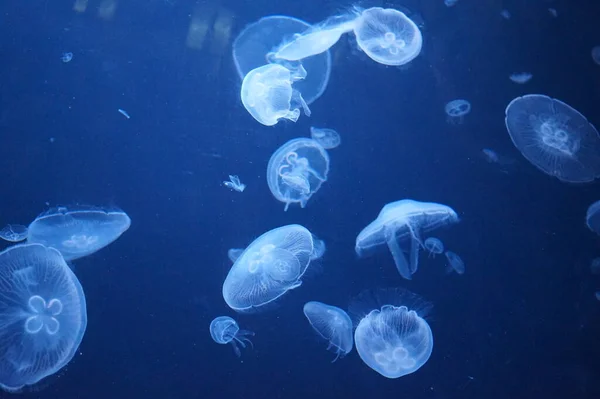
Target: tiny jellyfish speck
[[235, 184], [66, 57], [521, 77], [450, 3], [456, 110]]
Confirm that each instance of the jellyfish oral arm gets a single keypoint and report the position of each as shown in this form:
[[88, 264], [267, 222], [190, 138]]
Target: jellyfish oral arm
[[397, 254]]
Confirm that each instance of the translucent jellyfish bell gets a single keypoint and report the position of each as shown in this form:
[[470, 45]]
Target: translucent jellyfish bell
[[333, 325], [554, 137], [392, 337], [404, 220], [456, 263], [434, 246], [456, 110], [224, 330], [255, 46], [297, 170], [14, 232], [268, 95], [78, 233], [388, 36], [43, 315], [328, 138], [272, 264]]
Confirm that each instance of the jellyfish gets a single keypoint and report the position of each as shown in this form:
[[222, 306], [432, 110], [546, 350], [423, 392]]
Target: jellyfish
[[43, 316], [596, 54], [554, 137], [328, 138], [319, 248], [456, 110], [234, 253], [553, 12], [235, 184], [66, 57], [268, 95], [592, 217], [224, 330], [392, 337], [595, 266], [297, 170], [434, 246], [255, 46], [450, 3], [316, 39], [272, 265], [333, 325], [521, 77], [388, 36], [404, 220], [78, 232], [505, 14], [14, 232], [455, 262]]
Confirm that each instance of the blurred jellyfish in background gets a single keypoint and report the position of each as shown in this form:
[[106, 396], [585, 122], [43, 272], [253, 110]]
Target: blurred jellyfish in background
[[592, 217], [328, 138], [455, 262], [520, 77], [78, 232], [456, 110], [554, 137], [297, 170], [43, 314], [224, 330], [333, 325], [596, 54]]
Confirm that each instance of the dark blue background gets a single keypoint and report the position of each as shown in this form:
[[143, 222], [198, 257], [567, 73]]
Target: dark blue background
[[522, 321]]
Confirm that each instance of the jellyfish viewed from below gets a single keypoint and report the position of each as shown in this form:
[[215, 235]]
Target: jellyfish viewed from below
[[268, 95], [554, 137], [592, 217], [434, 246], [14, 232], [456, 110], [43, 315], [78, 232], [392, 337], [333, 325], [404, 220], [256, 44], [224, 330], [272, 265], [328, 138], [388, 36], [297, 170], [455, 262]]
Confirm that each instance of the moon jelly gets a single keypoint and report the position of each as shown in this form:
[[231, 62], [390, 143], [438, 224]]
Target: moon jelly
[[332, 324], [456, 110], [224, 330], [328, 138], [14, 232]]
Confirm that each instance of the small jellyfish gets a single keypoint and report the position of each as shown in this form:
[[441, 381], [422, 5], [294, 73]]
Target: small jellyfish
[[596, 54], [434, 246], [66, 57], [328, 138], [505, 14], [224, 330], [319, 248], [521, 77], [268, 95], [388, 36], [592, 217], [297, 170], [43, 316], [456, 110], [14, 232], [456, 263], [78, 232], [505, 164], [235, 184], [333, 325], [392, 337], [450, 3], [595, 266], [404, 220], [554, 137], [234, 253]]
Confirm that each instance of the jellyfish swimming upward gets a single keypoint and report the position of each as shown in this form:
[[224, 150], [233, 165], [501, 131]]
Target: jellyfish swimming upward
[[224, 330]]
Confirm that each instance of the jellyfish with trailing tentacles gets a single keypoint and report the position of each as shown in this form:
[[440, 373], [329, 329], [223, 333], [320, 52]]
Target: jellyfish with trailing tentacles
[[333, 325], [224, 330]]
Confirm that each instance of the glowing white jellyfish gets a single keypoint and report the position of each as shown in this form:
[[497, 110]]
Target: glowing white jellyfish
[[328, 138], [456, 110], [235, 184], [14, 232], [224, 330]]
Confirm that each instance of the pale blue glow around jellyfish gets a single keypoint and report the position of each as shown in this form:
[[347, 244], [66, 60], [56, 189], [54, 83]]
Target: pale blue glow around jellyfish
[[43, 314], [592, 217], [456, 110], [392, 339], [78, 232], [388, 36], [455, 262], [328, 138], [268, 94], [333, 325], [255, 45], [400, 221], [297, 170], [434, 246], [224, 330], [270, 266], [14, 232], [554, 137]]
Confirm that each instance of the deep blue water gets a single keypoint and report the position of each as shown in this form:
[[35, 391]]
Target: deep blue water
[[522, 321]]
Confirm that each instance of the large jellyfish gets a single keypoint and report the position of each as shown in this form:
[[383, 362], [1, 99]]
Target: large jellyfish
[[224, 330], [255, 46], [392, 337], [554, 137], [592, 217], [268, 95], [80, 232], [42, 314], [388, 36], [333, 325], [404, 220], [273, 264], [297, 170]]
